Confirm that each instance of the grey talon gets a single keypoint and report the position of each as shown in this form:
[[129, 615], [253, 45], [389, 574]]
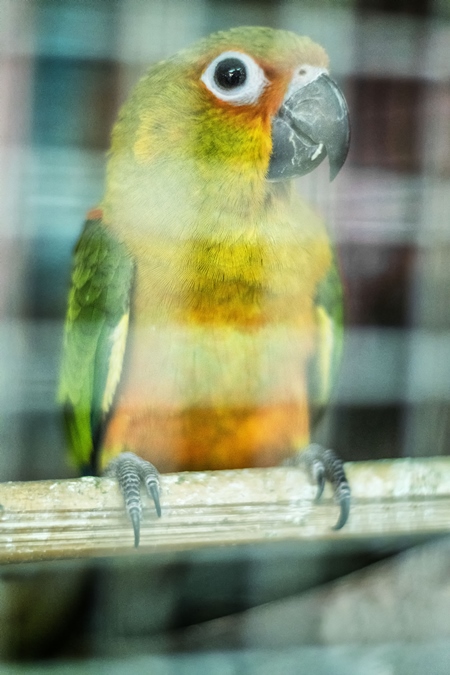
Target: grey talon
[[320, 480], [136, 522], [344, 503], [153, 491], [324, 465], [131, 471], [150, 476]]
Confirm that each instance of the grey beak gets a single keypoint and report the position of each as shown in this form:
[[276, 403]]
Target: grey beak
[[312, 124]]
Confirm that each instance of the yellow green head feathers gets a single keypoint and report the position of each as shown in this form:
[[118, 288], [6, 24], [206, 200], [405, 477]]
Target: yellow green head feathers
[[235, 109]]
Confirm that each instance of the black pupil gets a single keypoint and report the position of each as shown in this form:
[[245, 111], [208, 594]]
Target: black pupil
[[230, 73]]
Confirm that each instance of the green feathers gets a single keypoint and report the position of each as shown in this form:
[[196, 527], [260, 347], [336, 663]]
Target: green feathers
[[325, 363], [95, 333]]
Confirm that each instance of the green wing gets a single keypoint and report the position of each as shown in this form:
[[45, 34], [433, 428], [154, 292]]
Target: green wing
[[324, 366], [95, 336]]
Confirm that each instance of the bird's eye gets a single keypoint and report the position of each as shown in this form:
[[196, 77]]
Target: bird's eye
[[235, 77], [230, 73]]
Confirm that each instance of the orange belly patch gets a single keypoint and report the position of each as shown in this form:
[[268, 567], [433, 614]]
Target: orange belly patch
[[209, 439]]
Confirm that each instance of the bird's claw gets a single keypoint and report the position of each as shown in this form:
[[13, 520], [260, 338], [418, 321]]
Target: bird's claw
[[322, 465], [130, 471]]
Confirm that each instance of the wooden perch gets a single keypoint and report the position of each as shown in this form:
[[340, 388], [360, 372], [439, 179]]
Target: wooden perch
[[85, 517]]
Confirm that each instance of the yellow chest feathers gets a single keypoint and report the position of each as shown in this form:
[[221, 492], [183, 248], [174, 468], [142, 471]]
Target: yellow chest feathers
[[241, 283]]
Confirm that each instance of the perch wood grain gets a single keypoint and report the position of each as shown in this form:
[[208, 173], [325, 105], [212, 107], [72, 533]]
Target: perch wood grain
[[85, 517]]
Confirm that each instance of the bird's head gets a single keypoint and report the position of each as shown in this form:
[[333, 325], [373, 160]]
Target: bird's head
[[235, 111], [247, 95]]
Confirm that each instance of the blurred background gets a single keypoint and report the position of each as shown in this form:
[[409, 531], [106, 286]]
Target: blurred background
[[65, 68]]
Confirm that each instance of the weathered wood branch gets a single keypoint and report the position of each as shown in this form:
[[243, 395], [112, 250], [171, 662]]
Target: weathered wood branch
[[85, 517]]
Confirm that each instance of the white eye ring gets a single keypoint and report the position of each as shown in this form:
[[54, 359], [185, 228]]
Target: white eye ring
[[246, 92]]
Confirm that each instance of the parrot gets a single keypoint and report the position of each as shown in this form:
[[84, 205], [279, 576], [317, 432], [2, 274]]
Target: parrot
[[204, 323]]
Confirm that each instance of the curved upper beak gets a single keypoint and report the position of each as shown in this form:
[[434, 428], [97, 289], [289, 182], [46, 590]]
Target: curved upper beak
[[312, 123]]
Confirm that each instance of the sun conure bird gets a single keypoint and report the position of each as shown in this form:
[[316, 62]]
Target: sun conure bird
[[205, 311]]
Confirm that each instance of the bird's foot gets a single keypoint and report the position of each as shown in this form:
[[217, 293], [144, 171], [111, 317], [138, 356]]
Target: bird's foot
[[324, 465], [130, 471]]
